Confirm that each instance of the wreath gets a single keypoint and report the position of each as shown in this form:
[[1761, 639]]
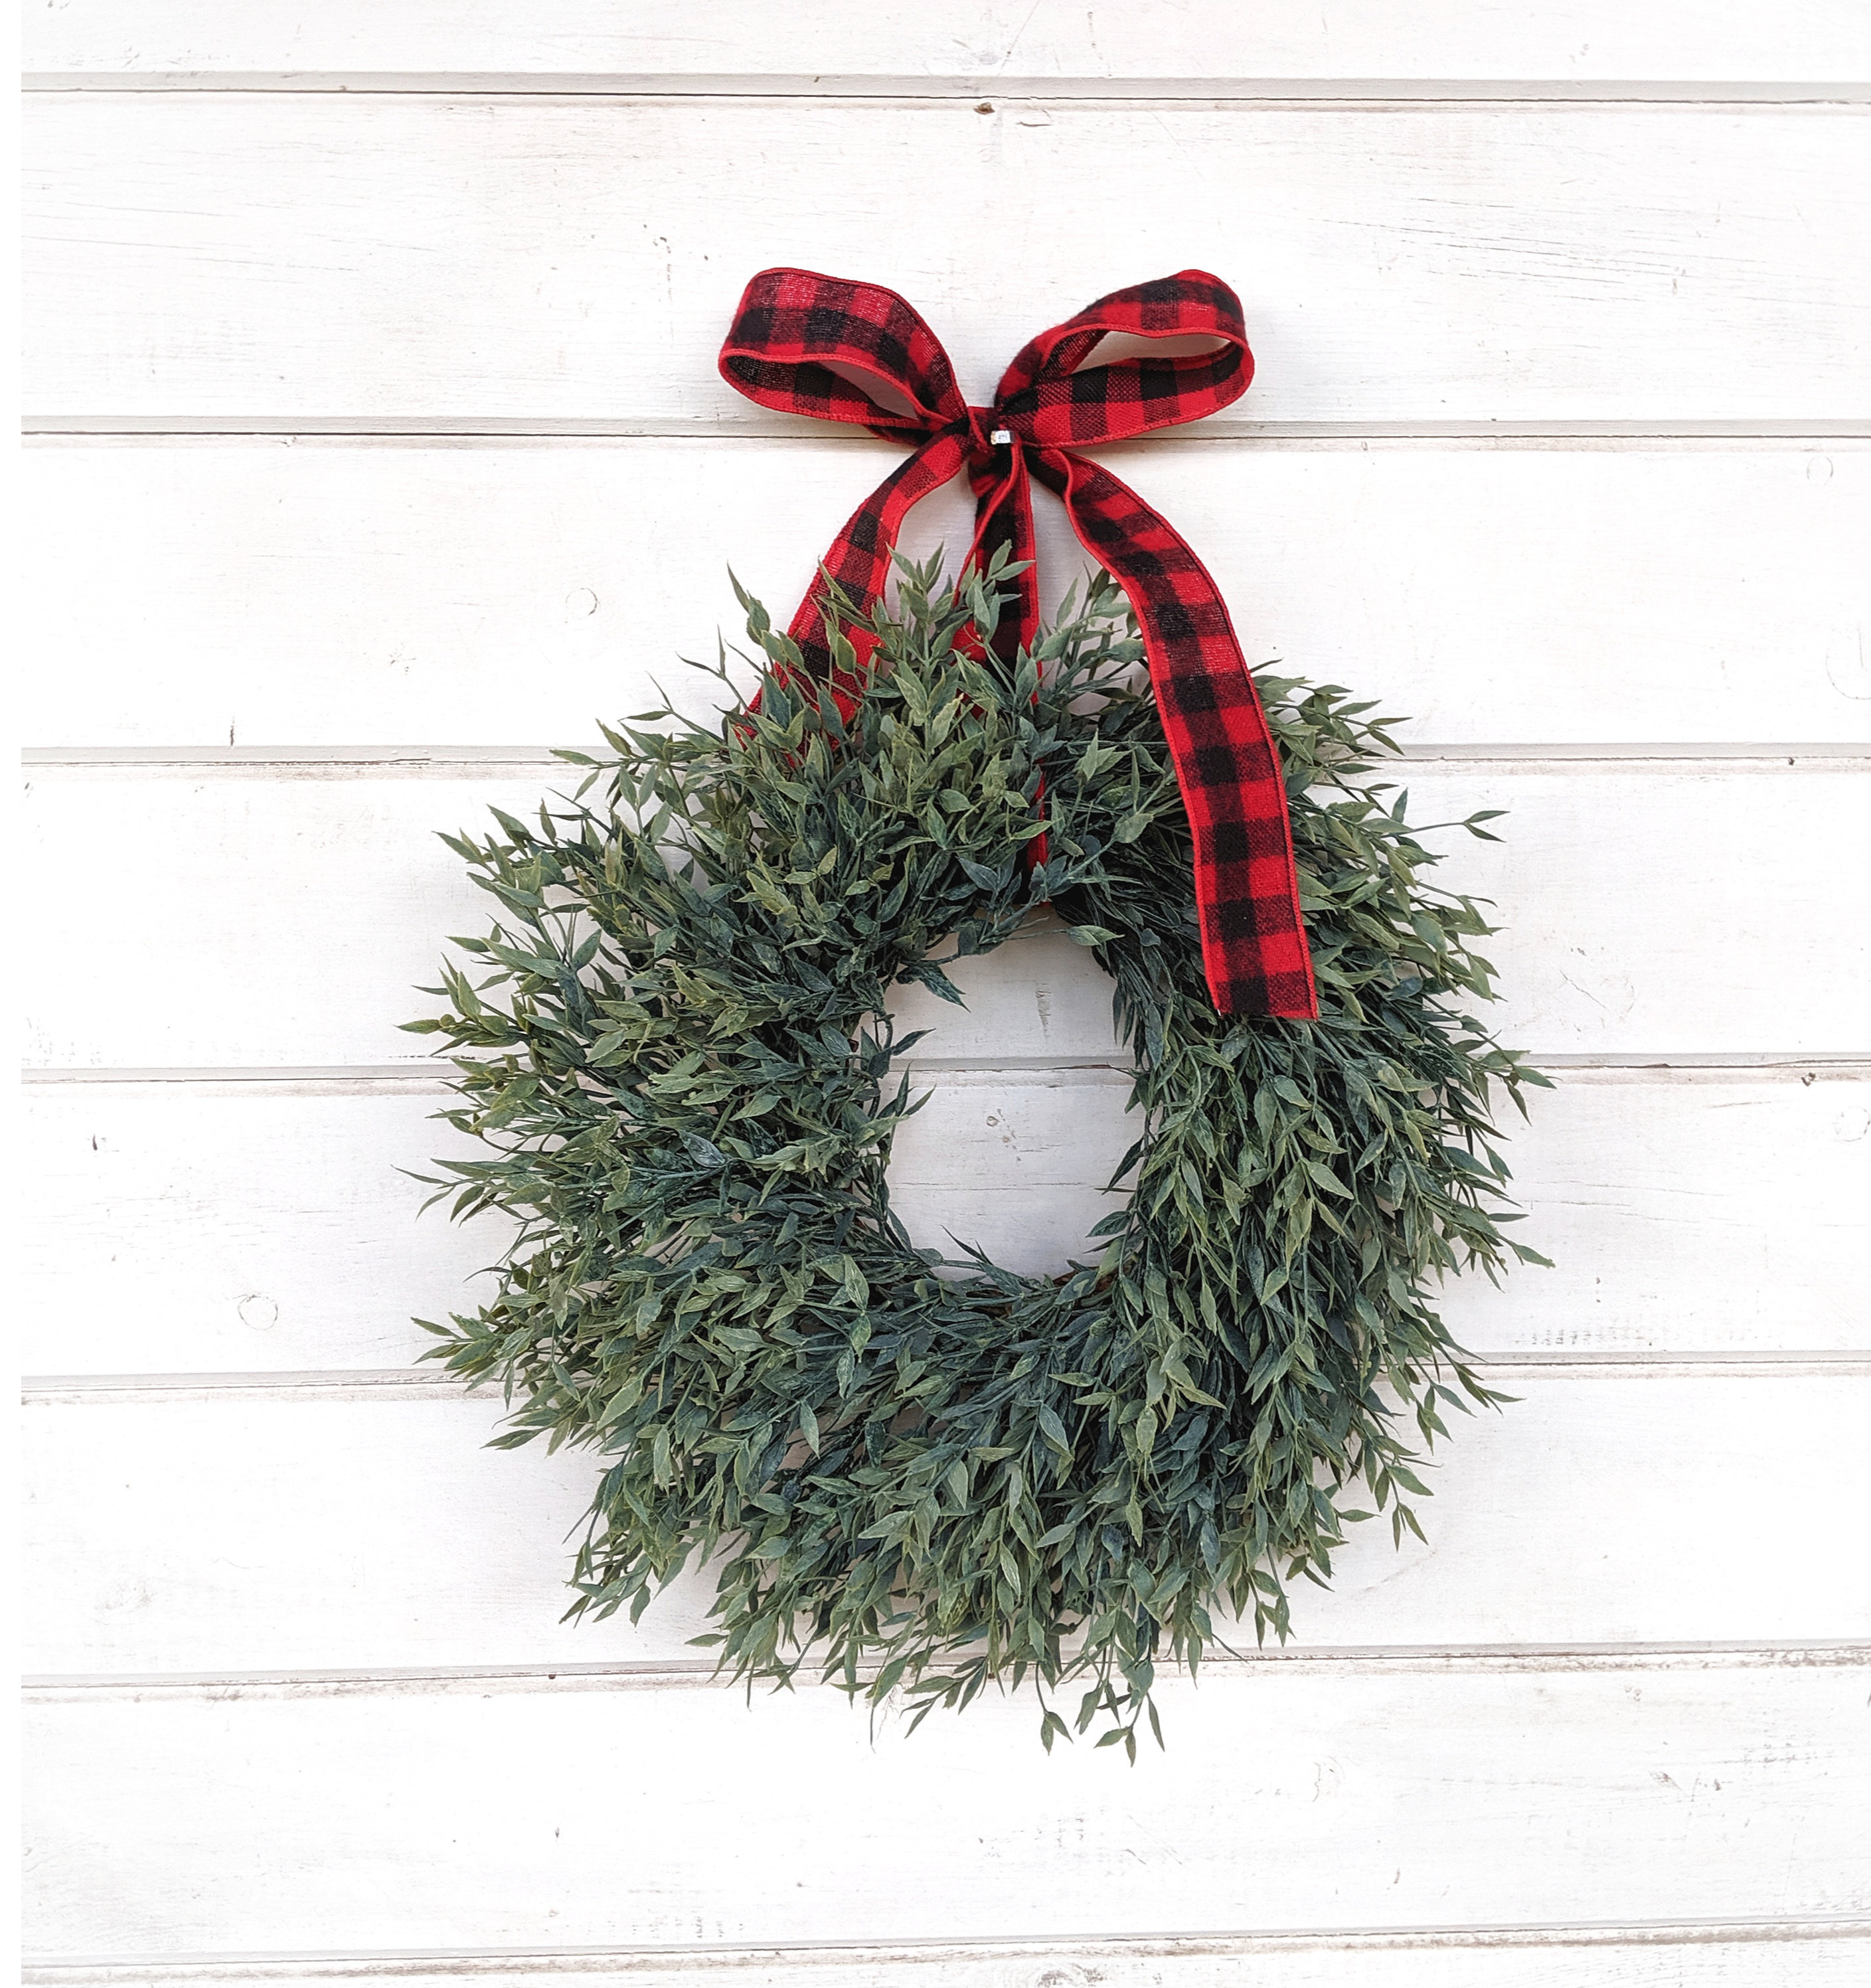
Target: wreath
[[918, 1475]]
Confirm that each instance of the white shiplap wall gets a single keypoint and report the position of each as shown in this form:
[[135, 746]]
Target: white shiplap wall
[[380, 446]]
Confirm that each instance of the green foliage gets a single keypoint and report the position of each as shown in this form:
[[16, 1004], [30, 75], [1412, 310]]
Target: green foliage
[[916, 1476]]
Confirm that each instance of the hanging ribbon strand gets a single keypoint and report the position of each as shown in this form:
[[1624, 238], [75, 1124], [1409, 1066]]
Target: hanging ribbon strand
[[793, 327]]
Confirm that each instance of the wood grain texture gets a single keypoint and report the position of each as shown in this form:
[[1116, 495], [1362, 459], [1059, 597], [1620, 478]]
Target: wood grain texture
[[274, 592], [239, 1226], [257, 1226], [1404, 1794], [231, 1536], [984, 39], [293, 920], [1712, 1211], [373, 256], [289, 921], [1780, 1953]]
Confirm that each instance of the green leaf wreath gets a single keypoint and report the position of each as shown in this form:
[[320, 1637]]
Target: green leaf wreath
[[911, 1475]]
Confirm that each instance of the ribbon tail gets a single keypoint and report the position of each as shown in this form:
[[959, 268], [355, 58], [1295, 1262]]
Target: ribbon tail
[[1254, 944], [858, 560]]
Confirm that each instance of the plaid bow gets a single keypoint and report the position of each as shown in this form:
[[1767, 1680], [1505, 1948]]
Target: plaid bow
[[793, 327]]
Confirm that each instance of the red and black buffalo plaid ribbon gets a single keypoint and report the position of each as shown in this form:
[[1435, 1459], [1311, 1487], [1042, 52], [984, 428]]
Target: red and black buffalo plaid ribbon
[[794, 328]]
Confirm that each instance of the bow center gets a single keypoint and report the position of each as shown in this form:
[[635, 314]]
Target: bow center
[[987, 431]]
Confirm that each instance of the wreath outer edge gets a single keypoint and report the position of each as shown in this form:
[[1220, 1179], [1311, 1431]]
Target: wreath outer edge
[[918, 1476]]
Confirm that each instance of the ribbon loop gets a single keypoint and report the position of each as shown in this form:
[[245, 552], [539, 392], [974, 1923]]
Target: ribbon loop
[[795, 340], [793, 327], [1056, 403]]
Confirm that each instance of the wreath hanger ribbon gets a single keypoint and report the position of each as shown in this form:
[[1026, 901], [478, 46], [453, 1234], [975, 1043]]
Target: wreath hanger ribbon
[[793, 327]]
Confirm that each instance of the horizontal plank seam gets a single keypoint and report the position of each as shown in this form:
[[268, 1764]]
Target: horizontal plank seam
[[1273, 93], [1852, 1064], [366, 762], [427, 1384], [1197, 1944], [1812, 1653], [50, 425]]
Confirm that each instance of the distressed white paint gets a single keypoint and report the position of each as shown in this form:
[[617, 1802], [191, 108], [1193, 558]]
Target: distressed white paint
[[1705, 1210], [1826, 1952], [239, 1227], [259, 1226], [226, 1536], [1637, 907], [370, 256], [339, 591], [1683, 908], [1339, 1796], [1775, 1953], [984, 41]]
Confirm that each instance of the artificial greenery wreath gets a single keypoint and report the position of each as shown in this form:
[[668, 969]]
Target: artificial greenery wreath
[[916, 1475]]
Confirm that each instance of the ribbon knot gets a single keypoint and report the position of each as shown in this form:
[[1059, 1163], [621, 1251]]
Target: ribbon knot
[[795, 342]]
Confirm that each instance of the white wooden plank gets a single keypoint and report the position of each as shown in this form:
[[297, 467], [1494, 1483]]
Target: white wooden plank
[[256, 1227], [239, 1227], [222, 1536], [179, 1824], [1687, 1214], [274, 592], [246, 256], [1639, 909], [1687, 1240], [984, 39], [1767, 1953], [289, 921]]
